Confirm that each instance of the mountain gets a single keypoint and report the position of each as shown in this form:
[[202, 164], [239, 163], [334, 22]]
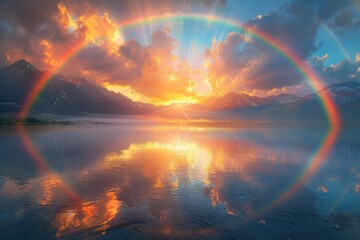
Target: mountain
[[16, 81], [340, 93], [284, 108], [61, 95], [220, 107], [279, 108], [236, 101], [232, 101], [345, 95], [282, 99], [76, 95]]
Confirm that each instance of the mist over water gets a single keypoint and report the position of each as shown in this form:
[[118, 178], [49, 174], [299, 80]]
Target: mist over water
[[161, 182]]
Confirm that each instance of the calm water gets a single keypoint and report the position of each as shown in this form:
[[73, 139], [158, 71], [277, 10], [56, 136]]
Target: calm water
[[142, 182]]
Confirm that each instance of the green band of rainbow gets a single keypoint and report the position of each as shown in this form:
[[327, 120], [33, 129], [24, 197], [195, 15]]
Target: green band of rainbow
[[329, 107]]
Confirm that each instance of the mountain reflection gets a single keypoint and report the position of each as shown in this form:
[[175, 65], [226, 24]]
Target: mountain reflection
[[169, 181]]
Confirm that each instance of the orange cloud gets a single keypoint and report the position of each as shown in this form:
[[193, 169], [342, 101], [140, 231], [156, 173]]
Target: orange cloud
[[150, 71], [48, 53]]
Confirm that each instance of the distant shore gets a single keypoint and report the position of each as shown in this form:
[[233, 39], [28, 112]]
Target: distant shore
[[32, 121], [41, 120], [12, 121]]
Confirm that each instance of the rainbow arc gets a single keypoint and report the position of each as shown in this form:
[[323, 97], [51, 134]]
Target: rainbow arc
[[333, 117]]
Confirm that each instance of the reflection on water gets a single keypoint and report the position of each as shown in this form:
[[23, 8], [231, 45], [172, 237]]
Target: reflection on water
[[136, 182], [89, 215]]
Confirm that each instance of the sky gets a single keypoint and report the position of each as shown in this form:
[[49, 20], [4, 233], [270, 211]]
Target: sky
[[167, 51]]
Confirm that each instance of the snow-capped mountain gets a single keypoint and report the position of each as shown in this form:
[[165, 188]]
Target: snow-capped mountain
[[282, 99], [20, 67], [340, 93], [241, 100]]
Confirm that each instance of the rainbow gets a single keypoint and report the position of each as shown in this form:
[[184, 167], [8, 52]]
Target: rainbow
[[42, 82], [333, 117], [336, 41], [276, 45], [42, 165]]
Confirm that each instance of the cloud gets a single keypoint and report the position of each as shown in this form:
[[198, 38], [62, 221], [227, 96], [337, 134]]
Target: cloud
[[238, 64], [327, 9], [346, 20], [34, 16], [126, 9], [241, 65], [317, 62], [341, 72], [43, 31], [335, 73], [24, 25], [3, 59], [150, 70]]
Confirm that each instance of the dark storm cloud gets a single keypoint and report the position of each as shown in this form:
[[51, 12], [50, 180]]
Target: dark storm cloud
[[328, 8], [25, 24], [35, 18], [29, 14], [344, 16], [346, 20], [15, 40]]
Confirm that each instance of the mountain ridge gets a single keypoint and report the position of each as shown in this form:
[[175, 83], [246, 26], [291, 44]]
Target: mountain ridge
[[77, 95], [61, 95]]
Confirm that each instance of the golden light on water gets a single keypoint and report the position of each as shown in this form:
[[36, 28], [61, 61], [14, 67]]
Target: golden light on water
[[195, 157], [156, 176], [95, 215]]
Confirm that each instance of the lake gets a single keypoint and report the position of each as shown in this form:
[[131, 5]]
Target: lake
[[172, 182]]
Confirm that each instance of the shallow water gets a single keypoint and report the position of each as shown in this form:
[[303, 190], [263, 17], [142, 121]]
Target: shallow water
[[158, 182]]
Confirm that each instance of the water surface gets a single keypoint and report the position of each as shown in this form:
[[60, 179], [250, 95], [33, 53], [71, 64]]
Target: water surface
[[158, 182]]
